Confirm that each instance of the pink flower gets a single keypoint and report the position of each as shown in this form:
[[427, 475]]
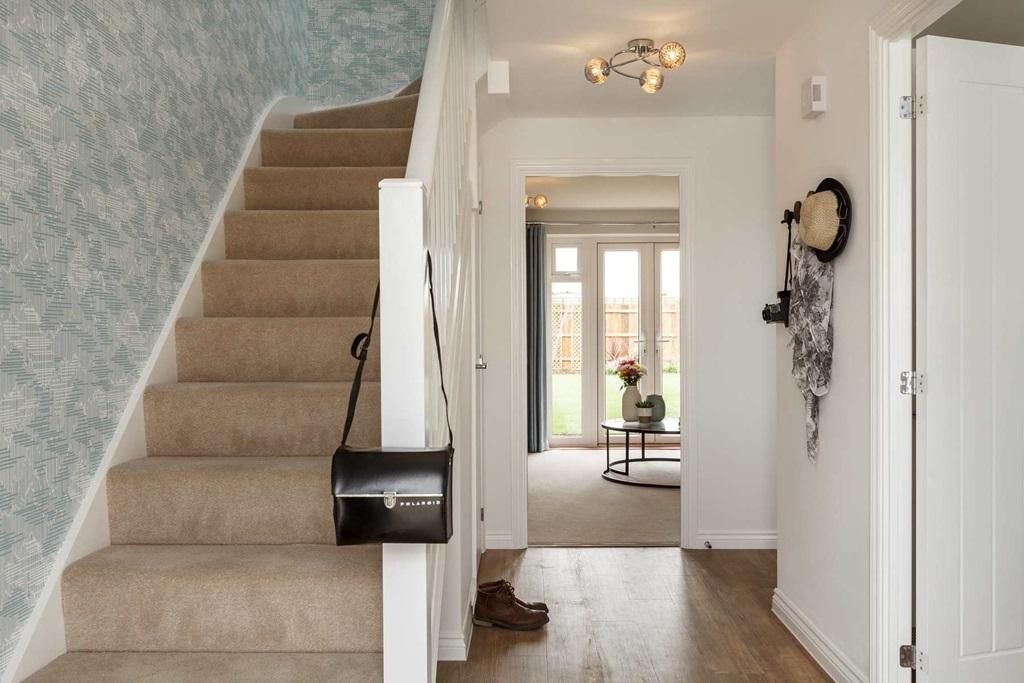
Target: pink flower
[[629, 371]]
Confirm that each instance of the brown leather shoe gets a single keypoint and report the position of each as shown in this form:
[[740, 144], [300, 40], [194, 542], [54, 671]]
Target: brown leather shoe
[[492, 585], [499, 607]]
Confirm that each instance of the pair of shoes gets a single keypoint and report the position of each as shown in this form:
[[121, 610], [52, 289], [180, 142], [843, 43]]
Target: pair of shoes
[[497, 605], [491, 585]]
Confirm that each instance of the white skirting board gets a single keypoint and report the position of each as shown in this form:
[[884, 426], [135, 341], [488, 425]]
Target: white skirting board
[[738, 540], [499, 540], [454, 646], [835, 663], [42, 638], [719, 540]]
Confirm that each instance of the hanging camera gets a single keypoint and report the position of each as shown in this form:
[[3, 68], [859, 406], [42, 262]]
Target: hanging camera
[[779, 312]]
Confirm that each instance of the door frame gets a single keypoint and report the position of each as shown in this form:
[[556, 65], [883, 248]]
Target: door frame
[[683, 169], [891, 75]]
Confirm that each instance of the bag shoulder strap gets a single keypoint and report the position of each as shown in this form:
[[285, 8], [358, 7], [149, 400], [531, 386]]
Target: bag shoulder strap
[[437, 346], [361, 346]]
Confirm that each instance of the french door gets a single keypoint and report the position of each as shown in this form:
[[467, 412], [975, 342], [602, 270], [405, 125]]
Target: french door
[[609, 300], [638, 318]]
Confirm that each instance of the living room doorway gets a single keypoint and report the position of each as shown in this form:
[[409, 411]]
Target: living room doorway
[[606, 338]]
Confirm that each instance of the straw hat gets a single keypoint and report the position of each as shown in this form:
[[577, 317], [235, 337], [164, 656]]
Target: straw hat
[[825, 219]]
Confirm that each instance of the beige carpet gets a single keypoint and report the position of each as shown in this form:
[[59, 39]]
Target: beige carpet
[[223, 565], [570, 504]]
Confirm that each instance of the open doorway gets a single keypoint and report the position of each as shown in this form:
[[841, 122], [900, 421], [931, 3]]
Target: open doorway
[[604, 286]]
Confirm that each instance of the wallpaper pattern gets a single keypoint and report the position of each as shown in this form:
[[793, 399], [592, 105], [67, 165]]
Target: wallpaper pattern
[[121, 122], [361, 49]]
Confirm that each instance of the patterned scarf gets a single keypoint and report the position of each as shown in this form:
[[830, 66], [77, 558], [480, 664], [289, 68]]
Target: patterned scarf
[[810, 324]]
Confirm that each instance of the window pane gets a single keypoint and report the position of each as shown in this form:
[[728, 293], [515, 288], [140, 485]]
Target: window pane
[[668, 342], [621, 311], [566, 260], [566, 358]]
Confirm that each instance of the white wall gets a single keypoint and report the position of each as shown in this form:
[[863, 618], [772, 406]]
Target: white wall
[[824, 507], [735, 257]]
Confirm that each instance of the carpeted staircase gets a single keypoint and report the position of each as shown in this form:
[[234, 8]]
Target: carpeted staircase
[[222, 565]]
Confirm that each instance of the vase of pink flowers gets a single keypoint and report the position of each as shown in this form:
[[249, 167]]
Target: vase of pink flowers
[[630, 371]]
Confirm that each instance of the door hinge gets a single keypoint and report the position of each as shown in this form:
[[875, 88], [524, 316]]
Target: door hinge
[[912, 383], [481, 514], [911, 107], [912, 658], [479, 208]]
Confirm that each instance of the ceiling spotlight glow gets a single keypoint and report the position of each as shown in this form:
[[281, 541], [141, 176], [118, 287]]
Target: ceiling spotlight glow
[[596, 70], [672, 55], [537, 201]]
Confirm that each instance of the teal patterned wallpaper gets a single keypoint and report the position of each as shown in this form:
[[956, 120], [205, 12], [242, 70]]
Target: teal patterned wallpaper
[[360, 49], [121, 122]]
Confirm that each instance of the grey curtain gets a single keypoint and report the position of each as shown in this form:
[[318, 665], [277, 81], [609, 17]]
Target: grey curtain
[[536, 342]]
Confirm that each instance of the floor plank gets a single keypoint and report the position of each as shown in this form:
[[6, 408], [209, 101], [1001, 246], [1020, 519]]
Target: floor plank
[[638, 614]]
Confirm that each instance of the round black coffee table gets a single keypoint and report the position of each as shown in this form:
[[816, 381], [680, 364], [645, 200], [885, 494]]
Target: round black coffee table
[[669, 425]]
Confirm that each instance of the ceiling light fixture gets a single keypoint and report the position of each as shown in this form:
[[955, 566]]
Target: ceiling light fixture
[[671, 55], [536, 201]]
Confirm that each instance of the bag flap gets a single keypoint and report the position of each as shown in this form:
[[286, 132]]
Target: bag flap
[[407, 470]]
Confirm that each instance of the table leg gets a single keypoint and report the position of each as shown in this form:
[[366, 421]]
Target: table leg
[[627, 454], [643, 445]]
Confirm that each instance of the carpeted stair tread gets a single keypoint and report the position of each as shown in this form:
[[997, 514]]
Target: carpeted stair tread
[[301, 234], [412, 89], [306, 189], [313, 288], [256, 418], [224, 598], [271, 349], [335, 147], [223, 667], [396, 112], [204, 500]]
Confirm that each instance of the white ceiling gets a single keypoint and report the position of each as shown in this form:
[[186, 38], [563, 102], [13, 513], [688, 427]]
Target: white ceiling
[[990, 21], [729, 67], [606, 193]]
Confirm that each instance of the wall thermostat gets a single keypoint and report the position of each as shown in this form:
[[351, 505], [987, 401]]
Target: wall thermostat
[[815, 97]]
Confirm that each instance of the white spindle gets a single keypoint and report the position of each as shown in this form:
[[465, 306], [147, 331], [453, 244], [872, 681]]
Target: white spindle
[[428, 209]]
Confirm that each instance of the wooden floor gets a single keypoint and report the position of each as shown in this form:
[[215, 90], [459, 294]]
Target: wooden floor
[[638, 614]]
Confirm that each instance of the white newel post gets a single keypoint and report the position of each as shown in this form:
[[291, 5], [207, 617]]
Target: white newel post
[[406, 616]]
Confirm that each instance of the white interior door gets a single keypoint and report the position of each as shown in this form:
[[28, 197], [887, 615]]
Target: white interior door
[[970, 347]]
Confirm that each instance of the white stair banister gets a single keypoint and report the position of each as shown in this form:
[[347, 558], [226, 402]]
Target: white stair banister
[[428, 209]]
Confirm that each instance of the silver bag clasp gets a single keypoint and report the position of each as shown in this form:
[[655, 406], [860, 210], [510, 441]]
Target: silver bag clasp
[[390, 498]]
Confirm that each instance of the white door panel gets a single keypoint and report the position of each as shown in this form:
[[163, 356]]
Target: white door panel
[[970, 341]]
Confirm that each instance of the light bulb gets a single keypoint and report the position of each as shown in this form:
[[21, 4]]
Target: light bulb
[[540, 201], [596, 70], [671, 55], [652, 80]]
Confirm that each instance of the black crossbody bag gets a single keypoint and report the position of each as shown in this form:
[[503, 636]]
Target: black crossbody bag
[[392, 495]]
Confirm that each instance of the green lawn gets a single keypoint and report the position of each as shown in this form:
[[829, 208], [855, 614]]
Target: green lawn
[[566, 398]]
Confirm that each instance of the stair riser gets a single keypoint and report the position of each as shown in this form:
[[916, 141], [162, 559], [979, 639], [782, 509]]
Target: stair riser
[[314, 189], [255, 419], [289, 289], [399, 112], [353, 147], [183, 598], [271, 350], [198, 501], [301, 234], [223, 667]]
